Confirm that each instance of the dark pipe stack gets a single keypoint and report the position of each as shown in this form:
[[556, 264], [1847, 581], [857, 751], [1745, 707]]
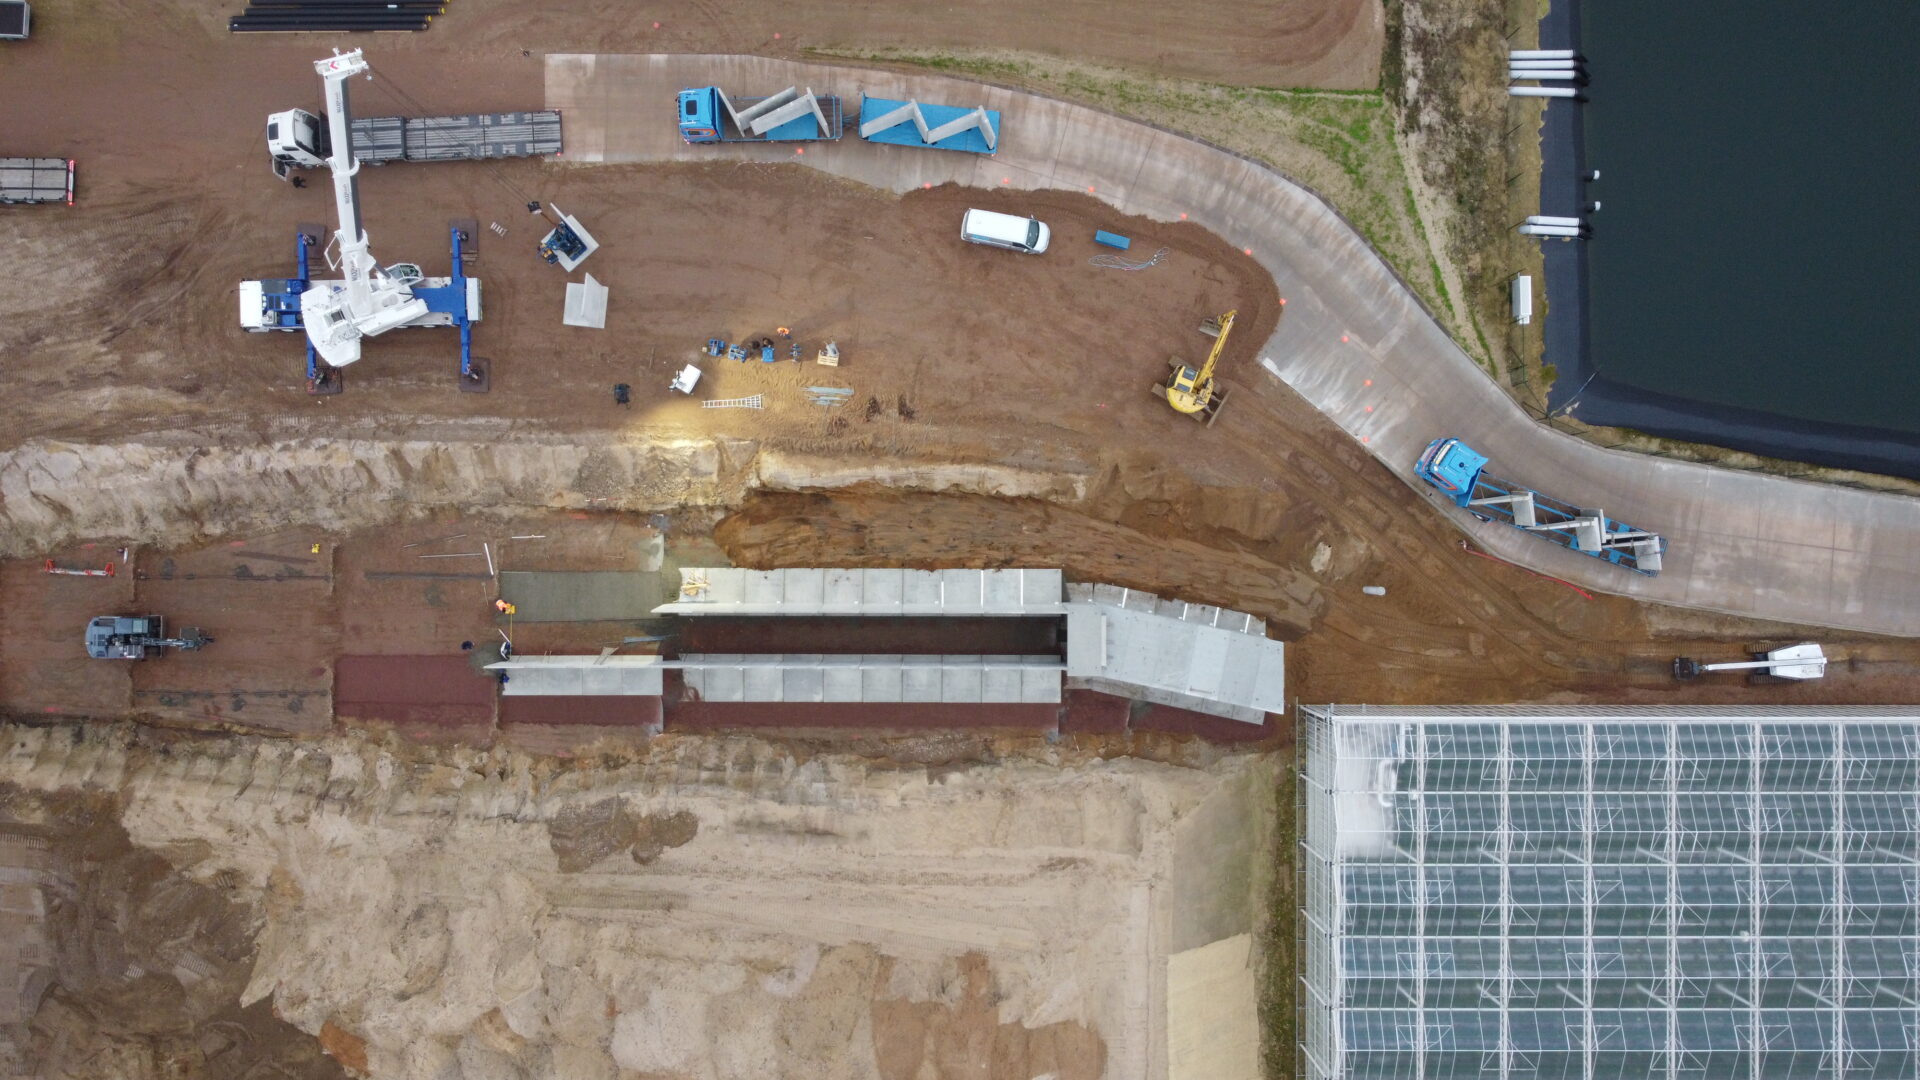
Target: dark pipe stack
[[297, 16]]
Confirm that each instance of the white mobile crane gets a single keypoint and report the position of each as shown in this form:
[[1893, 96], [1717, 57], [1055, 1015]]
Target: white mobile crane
[[368, 300], [371, 301]]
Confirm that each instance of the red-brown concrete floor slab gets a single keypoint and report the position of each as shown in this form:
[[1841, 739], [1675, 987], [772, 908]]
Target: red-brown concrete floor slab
[[1092, 712], [1151, 717], [911, 635], [44, 667], [268, 604], [640, 713], [432, 690]]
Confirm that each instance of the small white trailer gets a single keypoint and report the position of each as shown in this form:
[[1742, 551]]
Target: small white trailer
[[16, 20], [36, 180]]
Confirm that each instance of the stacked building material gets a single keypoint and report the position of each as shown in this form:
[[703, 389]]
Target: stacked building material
[[306, 16]]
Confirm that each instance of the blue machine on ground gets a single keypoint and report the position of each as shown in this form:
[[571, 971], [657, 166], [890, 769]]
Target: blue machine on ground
[[707, 115], [1457, 470]]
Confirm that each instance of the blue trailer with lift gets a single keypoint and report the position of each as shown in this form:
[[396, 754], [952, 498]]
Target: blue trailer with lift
[[1459, 472]]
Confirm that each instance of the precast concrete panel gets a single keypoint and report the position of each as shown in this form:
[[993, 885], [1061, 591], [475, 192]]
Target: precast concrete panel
[[844, 590], [919, 683], [804, 684], [763, 683], [962, 685], [882, 589], [883, 683], [962, 590], [721, 684], [921, 589], [842, 684]]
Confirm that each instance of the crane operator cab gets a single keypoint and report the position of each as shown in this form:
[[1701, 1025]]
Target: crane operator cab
[[1023, 234]]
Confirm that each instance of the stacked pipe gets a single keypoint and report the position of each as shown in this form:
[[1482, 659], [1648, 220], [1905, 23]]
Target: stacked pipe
[[298, 16], [1567, 228], [1545, 66]]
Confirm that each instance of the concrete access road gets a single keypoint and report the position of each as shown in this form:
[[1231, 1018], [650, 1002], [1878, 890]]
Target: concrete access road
[[1355, 342]]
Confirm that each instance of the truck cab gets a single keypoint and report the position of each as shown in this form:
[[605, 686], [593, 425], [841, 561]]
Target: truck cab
[[1451, 466], [296, 139], [699, 115]]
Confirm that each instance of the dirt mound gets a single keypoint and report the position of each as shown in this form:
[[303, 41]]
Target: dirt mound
[[142, 966], [447, 912]]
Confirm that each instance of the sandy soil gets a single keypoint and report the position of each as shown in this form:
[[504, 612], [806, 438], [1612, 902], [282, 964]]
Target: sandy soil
[[717, 909]]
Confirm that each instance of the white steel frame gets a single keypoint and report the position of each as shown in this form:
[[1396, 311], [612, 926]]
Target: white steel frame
[[1599, 893]]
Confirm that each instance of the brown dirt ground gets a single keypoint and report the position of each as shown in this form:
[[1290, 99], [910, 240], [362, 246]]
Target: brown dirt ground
[[966, 354], [1452, 628], [1333, 44]]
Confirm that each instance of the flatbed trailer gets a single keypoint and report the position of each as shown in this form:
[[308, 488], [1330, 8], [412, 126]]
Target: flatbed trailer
[[936, 127], [36, 180], [475, 137], [1459, 471], [296, 139]]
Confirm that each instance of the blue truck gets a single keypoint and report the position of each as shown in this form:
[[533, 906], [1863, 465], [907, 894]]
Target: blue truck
[[707, 115], [1460, 473]]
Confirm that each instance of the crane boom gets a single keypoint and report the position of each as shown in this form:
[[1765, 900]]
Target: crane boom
[[352, 235], [368, 302]]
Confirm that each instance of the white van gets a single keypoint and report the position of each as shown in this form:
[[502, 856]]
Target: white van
[[1005, 231]]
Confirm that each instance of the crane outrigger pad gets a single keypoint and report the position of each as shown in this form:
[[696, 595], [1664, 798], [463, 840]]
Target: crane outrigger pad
[[478, 377]]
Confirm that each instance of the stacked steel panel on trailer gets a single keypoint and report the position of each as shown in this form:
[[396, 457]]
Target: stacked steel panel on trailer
[[379, 139], [486, 135]]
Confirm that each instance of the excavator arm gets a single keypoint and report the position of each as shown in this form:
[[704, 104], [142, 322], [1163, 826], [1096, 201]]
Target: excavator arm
[[1190, 390]]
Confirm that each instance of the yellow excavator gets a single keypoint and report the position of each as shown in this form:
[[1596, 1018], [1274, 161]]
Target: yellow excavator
[[1194, 392]]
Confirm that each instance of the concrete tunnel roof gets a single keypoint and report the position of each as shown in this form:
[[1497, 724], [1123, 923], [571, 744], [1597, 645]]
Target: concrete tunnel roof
[[1743, 543]]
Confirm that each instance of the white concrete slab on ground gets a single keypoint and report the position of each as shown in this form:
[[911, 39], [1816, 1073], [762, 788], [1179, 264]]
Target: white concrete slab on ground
[[891, 678], [580, 676], [1829, 556], [726, 590], [586, 304]]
